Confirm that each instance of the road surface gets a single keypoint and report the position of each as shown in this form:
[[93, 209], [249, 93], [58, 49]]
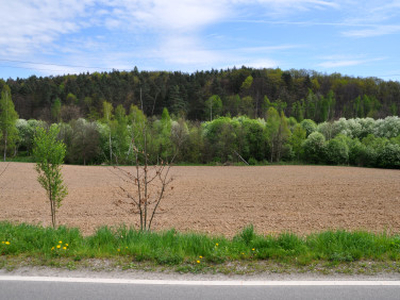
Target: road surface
[[24, 287]]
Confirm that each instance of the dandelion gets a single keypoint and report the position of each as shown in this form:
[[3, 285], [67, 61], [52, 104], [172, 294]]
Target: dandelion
[[58, 246], [65, 248], [198, 261], [253, 249], [216, 244], [7, 243], [52, 248], [118, 250], [66, 245], [60, 242], [200, 257]]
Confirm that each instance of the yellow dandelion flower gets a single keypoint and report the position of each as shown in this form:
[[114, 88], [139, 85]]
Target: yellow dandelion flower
[[52, 248], [200, 257], [65, 248], [253, 249], [66, 245], [216, 244], [60, 242], [58, 246], [198, 261], [7, 243], [118, 250]]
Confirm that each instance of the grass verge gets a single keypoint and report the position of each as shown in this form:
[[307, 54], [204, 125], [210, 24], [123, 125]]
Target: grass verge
[[247, 253]]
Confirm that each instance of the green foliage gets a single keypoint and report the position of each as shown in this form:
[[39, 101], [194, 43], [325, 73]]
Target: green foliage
[[247, 235], [306, 94], [84, 147], [360, 142], [278, 133], [296, 140], [213, 106], [56, 110], [314, 148], [49, 155], [389, 156], [337, 151], [171, 248], [247, 83], [8, 119], [309, 126]]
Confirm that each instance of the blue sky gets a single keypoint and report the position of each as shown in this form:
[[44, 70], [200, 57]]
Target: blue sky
[[51, 37]]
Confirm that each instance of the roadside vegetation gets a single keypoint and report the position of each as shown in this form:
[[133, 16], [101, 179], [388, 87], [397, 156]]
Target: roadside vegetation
[[247, 252]]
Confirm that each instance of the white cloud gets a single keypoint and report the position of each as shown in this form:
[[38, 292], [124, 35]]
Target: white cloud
[[337, 61], [34, 25], [374, 31], [124, 33], [374, 18]]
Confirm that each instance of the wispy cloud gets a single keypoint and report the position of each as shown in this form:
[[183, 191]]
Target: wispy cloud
[[378, 30], [376, 18], [343, 61], [34, 25], [187, 34]]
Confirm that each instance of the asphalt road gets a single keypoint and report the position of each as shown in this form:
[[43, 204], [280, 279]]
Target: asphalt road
[[83, 288]]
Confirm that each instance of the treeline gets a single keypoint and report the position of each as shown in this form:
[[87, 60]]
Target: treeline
[[205, 95], [358, 142]]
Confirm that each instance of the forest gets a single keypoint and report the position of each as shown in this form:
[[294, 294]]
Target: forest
[[302, 94], [249, 116]]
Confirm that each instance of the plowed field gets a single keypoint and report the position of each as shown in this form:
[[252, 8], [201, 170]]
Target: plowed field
[[218, 200]]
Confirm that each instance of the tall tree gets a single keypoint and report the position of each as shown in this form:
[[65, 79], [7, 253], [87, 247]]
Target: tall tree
[[213, 106], [49, 154], [56, 110], [108, 119], [8, 119], [121, 134]]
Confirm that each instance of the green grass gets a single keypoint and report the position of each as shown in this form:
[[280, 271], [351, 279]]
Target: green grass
[[189, 252]]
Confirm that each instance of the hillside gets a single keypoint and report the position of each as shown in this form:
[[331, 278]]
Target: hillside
[[197, 96]]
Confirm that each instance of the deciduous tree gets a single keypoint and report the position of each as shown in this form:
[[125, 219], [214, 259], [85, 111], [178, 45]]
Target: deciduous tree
[[49, 154], [8, 119]]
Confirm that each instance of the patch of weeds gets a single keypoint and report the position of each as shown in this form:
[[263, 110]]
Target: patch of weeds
[[55, 264], [304, 260], [190, 268], [168, 259], [71, 266], [341, 257], [345, 269]]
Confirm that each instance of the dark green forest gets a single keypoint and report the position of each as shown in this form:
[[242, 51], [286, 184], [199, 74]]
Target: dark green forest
[[247, 116], [301, 94]]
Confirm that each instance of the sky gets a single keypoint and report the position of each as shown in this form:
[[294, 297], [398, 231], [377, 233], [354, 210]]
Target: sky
[[56, 37]]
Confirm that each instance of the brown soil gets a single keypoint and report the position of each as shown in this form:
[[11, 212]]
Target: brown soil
[[218, 200]]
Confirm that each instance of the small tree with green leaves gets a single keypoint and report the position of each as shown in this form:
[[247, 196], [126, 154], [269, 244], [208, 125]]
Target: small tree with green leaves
[[8, 119], [49, 155]]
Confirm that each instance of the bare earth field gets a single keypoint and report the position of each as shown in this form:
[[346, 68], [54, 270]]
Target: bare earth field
[[218, 200]]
